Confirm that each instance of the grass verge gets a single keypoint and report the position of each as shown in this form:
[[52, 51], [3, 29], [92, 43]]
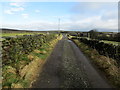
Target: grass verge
[[105, 64]]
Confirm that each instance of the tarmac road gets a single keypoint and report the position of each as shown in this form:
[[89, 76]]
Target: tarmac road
[[68, 67]]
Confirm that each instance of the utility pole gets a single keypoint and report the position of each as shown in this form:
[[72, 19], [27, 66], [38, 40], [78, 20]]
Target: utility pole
[[59, 24]]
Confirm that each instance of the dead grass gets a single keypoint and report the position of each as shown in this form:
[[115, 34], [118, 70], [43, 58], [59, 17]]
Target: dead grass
[[37, 51], [18, 85], [30, 57]]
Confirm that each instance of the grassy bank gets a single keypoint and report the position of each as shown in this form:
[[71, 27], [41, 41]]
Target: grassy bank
[[27, 69], [105, 64]]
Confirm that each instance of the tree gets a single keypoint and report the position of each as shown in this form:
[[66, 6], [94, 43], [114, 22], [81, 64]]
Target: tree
[[93, 34]]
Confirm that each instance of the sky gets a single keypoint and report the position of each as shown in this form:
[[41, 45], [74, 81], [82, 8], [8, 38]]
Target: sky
[[74, 16]]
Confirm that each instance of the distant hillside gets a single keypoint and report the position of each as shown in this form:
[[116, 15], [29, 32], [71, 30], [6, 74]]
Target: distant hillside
[[5, 30]]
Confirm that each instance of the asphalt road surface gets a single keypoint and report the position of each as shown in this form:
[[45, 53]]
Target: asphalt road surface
[[68, 67]]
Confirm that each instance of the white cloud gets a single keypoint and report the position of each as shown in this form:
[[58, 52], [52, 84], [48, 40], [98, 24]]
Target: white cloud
[[37, 11], [17, 9], [25, 16], [18, 0], [8, 12], [106, 20], [108, 24], [110, 15], [15, 4], [95, 15], [82, 25], [13, 10], [14, 7], [94, 22], [59, 0]]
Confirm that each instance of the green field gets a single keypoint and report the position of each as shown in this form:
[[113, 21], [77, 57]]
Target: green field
[[111, 42], [18, 34], [15, 34], [105, 41]]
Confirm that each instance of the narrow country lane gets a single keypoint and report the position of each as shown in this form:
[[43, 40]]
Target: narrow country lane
[[67, 67]]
